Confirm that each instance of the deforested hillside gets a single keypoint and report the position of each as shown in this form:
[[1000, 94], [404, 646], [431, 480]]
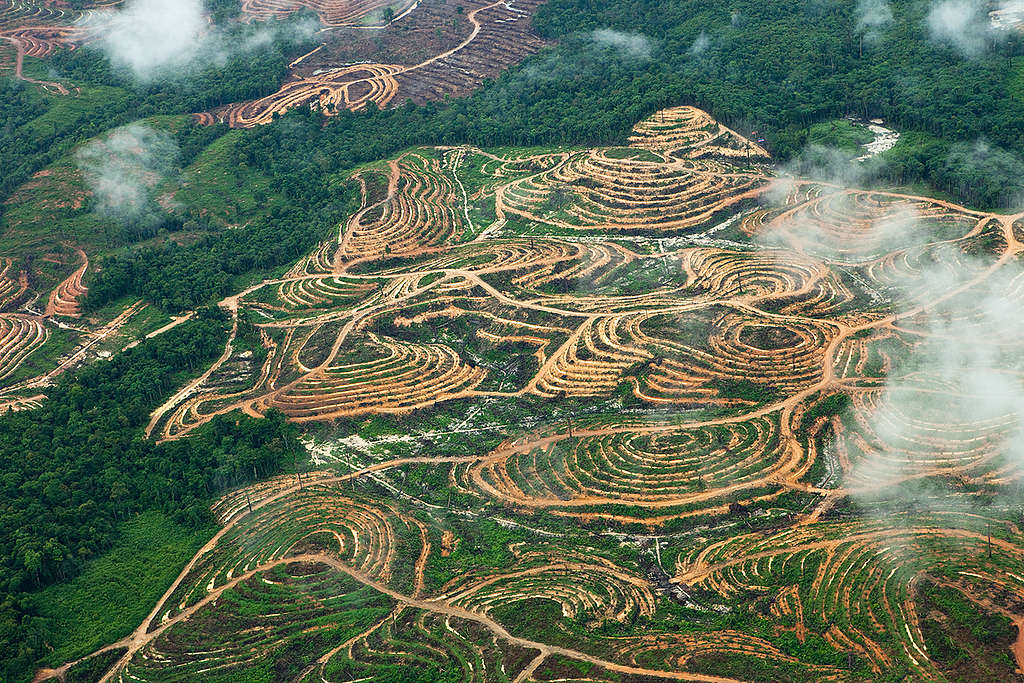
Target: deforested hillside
[[519, 341]]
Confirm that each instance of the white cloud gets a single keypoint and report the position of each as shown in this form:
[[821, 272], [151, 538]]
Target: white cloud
[[124, 167], [631, 45], [962, 25], [157, 39], [701, 44], [148, 36], [872, 16]]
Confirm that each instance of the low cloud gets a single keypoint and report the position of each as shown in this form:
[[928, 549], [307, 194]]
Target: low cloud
[[150, 35], [832, 175], [830, 165], [990, 175], [962, 25], [156, 39], [629, 45], [872, 16], [973, 353], [124, 168], [701, 44], [591, 54], [1008, 15]]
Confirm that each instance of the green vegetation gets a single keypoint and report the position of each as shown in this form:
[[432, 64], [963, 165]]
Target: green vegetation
[[41, 127], [747, 390], [92, 669], [96, 519], [829, 406], [839, 133], [968, 643], [243, 75], [597, 100], [801, 64], [751, 668], [116, 590], [177, 277], [538, 619], [60, 343], [219, 188], [77, 467]]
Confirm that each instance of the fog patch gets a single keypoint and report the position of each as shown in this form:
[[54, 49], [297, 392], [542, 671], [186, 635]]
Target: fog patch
[[974, 353], [629, 45], [124, 168], [592, 53], [961, 25], [154, 39], [830, 165], [833, 175], [701, 44], [872, 16], [1008, 15]]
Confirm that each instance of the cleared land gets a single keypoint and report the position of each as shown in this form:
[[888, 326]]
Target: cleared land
[[457, 47], [434, 49], [681, 364]]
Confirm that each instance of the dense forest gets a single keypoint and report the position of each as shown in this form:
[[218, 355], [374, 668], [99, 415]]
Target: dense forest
[[74, 468], [776, 68], [182, 277]]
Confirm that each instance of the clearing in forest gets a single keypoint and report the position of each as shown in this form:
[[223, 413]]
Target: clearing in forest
[[604, 415]]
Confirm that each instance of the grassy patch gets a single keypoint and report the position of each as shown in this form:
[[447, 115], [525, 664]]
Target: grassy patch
[[116, 590], [839, 133], [53, 207], [223, 189]]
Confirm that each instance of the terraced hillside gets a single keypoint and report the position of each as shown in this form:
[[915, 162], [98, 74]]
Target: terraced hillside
[[43, 333], [473, 41], [365, 54], [628, 414], [35, 28]]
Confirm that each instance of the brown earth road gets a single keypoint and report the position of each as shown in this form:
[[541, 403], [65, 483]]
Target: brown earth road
[[74, 279], [192, 386], [138, 641], [143, 634], [176, 320], [20, 59], [887, 535], [502, 208], [231, 304], [394, 172], [97, 337], [781, 476], [1018, 645], [471, 16], [388, 72], [786, 474]]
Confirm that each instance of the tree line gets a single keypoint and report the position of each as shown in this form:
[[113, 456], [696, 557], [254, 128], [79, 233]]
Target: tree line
[[73, 469]]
